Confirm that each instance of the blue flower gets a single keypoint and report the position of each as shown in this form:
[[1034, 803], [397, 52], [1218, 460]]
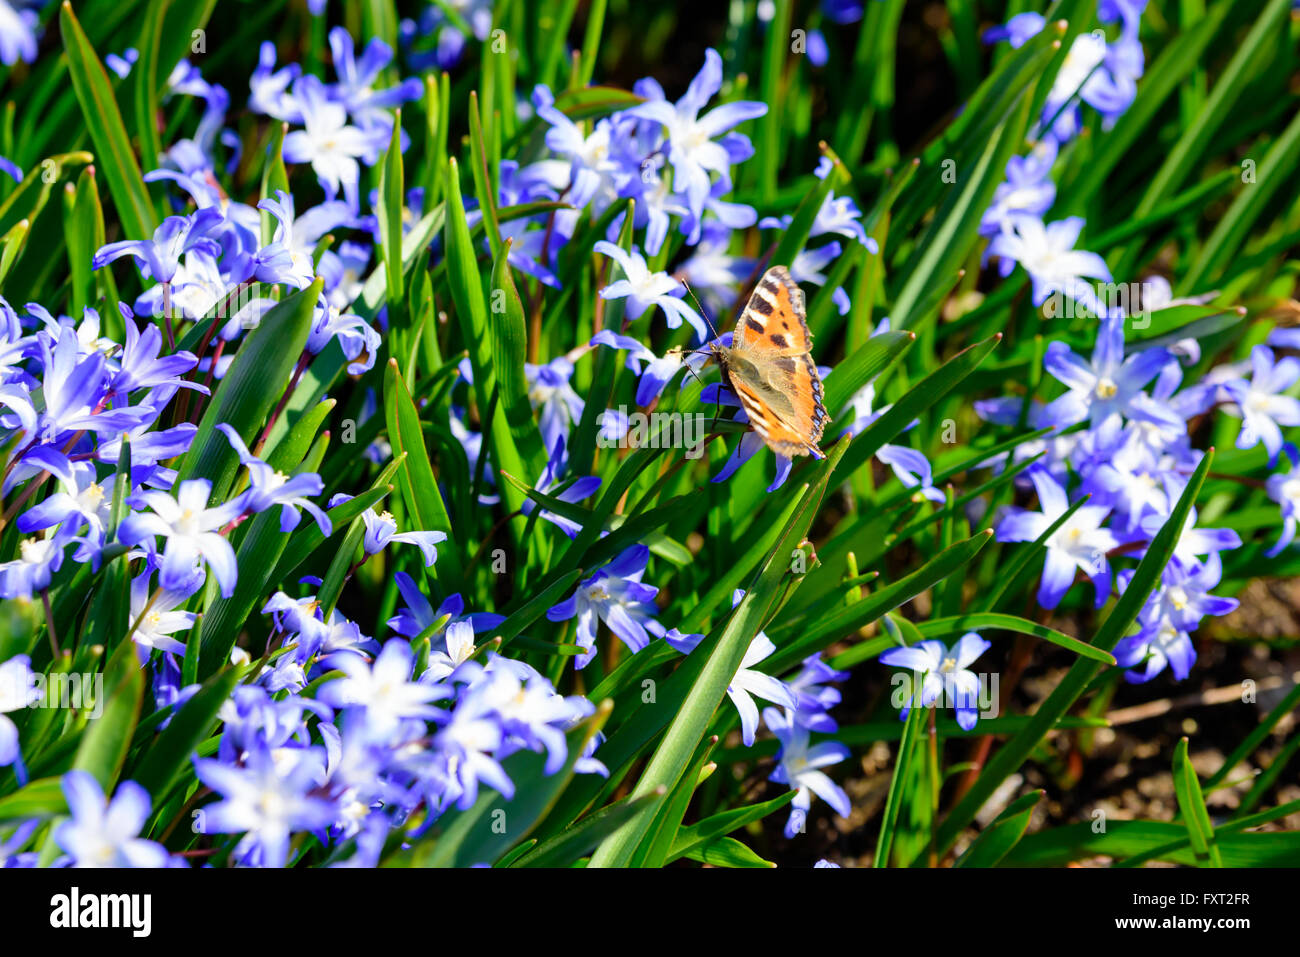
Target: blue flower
[[330, 143], [270, 88], [1028, 190], [189, 528], [532, 714], [268, 488], [142, 367], [800, 767], [38, 559], [17, 691], [18, 25], [158, 618], [616, 596], [658, 371], [593, 171], [75, 392], [79, 503], [1194, 544], [384, 691], [1284, 488], [1109, 384], [815, 699], [382, 529], [552, 477], [945, 673], [1047, 253], [267, 797], [1086, 74], [465, 753], [1017, 31], [357, 79], [550, 392], [419, 614], [448, 41], [106, 833], [121, 65], [911, 467], [11, 853], [1080, 544], [1260, 404], [1157, 647], [750, 681], [289, 258], [359, 340], [692, 150], [159, 257], [643, 289]]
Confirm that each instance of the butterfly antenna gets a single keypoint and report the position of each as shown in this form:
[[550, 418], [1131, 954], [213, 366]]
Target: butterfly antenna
[[717, 409], [703, 314]]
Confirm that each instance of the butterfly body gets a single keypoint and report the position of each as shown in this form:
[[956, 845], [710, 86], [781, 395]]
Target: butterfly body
[[769, 366]]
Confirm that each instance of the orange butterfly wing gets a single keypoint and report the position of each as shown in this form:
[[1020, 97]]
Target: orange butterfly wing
[[773, 334]]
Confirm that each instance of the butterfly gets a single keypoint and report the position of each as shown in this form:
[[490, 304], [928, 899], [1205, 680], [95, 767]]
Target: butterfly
[[770, 367]]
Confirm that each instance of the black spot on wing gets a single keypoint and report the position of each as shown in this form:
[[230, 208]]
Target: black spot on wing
[[760, 305], [780, 341], [754, 325]]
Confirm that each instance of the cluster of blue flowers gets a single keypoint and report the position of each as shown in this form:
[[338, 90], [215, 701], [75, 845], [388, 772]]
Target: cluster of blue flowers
[[1132, 460], [400, 732], [352, 757]]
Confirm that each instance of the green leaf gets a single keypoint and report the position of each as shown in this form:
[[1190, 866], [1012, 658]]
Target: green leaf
[[144, 80], [696, 836], [415, 475], [509, 339], [466, 284], [894, 799], [996, 841], [654, 848], [959, 624], [37, 799], [104, 121], [1009, 579], [800, 637], [946, 244], [1058, 846], [578, 840], [189, 727], [1235, 227], [917, 399], [1191, 802], [484, 188], [1191, 147], [392, 201], [728, 852], [83, 234], [862, 366], [107, 739], [250, 389]]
